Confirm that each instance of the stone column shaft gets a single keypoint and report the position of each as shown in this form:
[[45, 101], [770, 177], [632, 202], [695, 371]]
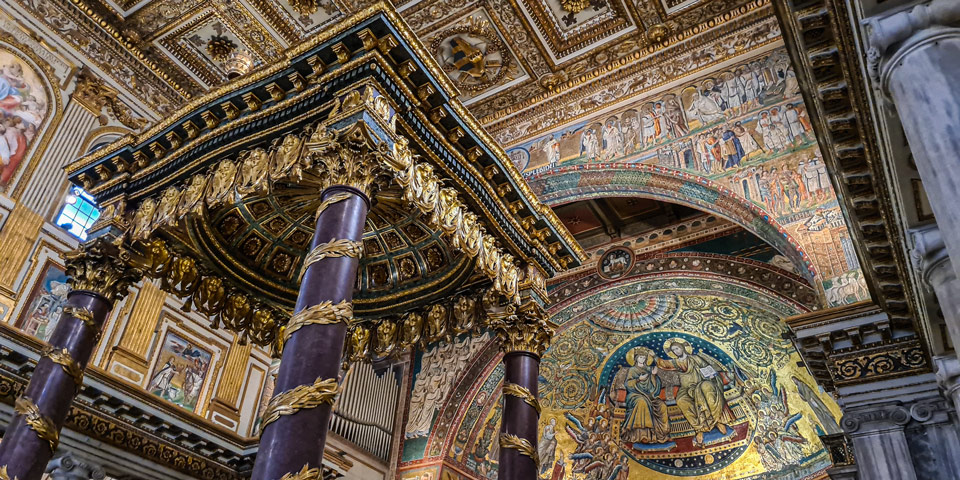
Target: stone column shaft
[[879, 443], [99, 275], [523, 337], [520, 418], [914, 57], [312, 353]]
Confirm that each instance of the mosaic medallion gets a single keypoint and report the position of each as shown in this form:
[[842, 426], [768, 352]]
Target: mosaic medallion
[[615, 263]]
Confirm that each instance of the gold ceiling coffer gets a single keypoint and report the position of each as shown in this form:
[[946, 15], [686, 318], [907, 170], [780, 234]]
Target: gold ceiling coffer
[[351, 160]]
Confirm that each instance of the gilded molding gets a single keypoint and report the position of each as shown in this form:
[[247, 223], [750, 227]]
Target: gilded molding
[[335, 248], [83, 314], [320, 392], [66, 361], [101, 267], [43, 426], [522, 393], [324, 313], [522, 445]]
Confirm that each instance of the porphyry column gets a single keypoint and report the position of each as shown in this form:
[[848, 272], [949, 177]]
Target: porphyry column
[[914, 57], [98, 274], [296, 420], [523, 338]]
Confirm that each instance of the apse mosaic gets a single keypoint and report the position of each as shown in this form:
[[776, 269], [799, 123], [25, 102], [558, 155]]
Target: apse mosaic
[[746, 129], [23, 109], [667, 378]]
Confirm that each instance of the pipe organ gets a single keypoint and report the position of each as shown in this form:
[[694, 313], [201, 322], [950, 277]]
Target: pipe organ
[[367, 408]]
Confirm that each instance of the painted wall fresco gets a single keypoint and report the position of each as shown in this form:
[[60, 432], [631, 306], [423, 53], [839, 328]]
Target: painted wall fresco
[[745, 128], [705, 388], [180, 371], [23, 109], [45, 303]]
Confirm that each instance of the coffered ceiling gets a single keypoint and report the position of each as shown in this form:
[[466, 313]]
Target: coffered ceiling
[[522, 66]]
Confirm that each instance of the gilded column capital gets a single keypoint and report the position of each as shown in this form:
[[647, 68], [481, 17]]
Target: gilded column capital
[[101, 267], [352, 157], [523, 329], [886, 32]]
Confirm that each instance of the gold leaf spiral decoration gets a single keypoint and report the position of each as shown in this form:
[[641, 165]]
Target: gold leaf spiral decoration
[[302, 397], [522, 445], [4, 475], [42, 426], [334, 248], [522, 393], [323, 313], [80, 313], [304, 474], [337, 198], [66, 361]]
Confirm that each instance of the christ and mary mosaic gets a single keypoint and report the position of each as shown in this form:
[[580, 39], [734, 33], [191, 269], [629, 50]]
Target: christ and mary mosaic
[[745, 128]]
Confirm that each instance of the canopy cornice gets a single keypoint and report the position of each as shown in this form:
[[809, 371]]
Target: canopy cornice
[[377, 49]]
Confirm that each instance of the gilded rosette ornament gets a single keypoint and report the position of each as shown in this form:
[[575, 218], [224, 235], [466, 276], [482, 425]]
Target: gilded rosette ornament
[[103, 268]]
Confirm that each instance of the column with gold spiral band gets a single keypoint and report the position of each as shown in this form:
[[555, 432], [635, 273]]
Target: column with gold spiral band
[[296, 419], [98, 274], [523, 338]]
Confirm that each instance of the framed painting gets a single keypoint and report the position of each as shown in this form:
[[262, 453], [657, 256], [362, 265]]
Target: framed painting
[[180, 371], [45, 303]]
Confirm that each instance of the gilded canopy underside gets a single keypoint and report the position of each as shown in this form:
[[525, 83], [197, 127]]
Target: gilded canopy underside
[[186, 179]]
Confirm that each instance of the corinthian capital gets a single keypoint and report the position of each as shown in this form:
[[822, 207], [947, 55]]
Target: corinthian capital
[[101, 267], [353, 156], [884, 32], [521, 330]]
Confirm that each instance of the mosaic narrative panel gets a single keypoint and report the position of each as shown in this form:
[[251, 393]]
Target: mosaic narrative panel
[[746, 129]]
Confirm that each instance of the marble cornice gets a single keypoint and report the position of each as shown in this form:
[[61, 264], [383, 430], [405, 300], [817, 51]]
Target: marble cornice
[[824, 47]]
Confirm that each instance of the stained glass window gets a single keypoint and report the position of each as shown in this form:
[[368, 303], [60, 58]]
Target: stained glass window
[[78, 214]]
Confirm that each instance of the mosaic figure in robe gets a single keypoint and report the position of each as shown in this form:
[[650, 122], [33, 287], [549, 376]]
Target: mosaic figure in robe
[[700, 393]]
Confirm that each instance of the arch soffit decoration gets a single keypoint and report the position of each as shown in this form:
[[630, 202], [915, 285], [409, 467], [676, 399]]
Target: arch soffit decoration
[[466, 391], [586, 182], [52, 115]]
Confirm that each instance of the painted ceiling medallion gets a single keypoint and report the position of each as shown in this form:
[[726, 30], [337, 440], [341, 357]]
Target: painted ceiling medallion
[[474, 55], [615, 263], [305, 7], [220, 47]]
